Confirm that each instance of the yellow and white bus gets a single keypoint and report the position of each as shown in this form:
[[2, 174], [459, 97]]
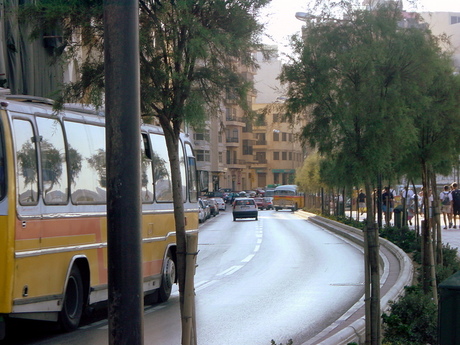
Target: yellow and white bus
[[53, 237], [288, 197]]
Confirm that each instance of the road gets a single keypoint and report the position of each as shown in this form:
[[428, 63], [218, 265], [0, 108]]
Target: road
[[276, 278]]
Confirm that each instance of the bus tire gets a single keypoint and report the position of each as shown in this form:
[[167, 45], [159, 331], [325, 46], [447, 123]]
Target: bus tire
[[168, 278], [72, 308]]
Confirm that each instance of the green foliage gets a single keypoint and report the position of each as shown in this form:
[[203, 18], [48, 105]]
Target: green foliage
[[404, 238], [350, 221], [308, 177], [412, 319], [450, 265]]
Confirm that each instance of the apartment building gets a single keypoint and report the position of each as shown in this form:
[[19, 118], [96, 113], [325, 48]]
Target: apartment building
[[448, 24], [239, 153]]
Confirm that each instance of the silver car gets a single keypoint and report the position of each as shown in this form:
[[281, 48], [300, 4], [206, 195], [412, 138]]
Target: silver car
[[245, 208]]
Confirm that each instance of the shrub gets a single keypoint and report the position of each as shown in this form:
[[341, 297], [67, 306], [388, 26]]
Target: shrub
[[412, 319], [404, 238]]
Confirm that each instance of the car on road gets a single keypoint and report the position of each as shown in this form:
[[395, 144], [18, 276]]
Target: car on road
[[260, 203], [268, 203], [245, 208], [220, 203]]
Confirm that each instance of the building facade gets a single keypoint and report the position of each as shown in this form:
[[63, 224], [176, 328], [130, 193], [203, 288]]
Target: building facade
[[236, 152]]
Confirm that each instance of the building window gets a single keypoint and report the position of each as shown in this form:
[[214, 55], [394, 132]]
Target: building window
[[454, 19], [284, 155], [276, 156], [221, 159], [290, 156], [261, 158], [202, 136], [284, 136], [276, 136], [261, 139], [203, 156], [247, 148]]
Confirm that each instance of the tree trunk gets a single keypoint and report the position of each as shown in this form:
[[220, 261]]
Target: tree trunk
[[172, 143], [436, 220], [428, 266], [372, 269]]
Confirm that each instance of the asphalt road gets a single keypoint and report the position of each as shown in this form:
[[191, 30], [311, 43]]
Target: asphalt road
[[276, 278]]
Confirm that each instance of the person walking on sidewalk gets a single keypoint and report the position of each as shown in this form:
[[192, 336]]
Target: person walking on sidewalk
[[446, 206], [361, 201], [455, 204], [387, 205]]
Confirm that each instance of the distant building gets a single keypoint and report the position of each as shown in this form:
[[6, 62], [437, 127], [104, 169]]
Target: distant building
[[447, 23]]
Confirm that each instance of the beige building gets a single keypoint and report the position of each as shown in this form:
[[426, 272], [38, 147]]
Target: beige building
[[238, 154], [447, 23]]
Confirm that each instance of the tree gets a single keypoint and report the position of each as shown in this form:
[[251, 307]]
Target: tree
[[361, 77], [189, 56]]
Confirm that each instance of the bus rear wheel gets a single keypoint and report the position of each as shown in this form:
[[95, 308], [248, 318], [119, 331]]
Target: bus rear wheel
[[72, 308], [168, 278]]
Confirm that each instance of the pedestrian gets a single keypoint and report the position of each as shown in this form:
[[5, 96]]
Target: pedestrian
[[446, 206], [455, 204], [387, 205], [361, 201]]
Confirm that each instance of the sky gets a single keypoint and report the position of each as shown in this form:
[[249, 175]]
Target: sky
[[279, 17]]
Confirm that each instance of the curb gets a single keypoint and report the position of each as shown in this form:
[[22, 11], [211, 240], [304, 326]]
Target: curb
[[355, 331]]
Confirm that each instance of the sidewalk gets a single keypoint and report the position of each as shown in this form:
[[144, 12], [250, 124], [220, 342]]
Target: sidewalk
[[449, 236]]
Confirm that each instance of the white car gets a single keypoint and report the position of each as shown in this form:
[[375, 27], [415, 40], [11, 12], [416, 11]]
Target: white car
[[220, 203], [245, 208]]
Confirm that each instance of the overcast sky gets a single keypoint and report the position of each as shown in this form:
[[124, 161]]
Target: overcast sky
[[280, 19]]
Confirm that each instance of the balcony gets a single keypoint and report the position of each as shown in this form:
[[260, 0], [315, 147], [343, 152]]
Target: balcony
[[259, 143], [232, 142], [235, 121], [237, 164]]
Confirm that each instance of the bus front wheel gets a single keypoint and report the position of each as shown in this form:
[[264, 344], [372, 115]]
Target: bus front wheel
[[168, 278], [72, 308]]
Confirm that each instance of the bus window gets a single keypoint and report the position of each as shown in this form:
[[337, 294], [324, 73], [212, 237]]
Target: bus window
[[53, 161], [183, 171], [161, 169], [26, 158], [192, 181], [86, 152], [146, 167]]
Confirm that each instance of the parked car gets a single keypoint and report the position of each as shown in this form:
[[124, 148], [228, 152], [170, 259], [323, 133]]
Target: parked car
[[213, 207], [220, 204], [230, 197], [245, 208], [204, 211], [201, 211]]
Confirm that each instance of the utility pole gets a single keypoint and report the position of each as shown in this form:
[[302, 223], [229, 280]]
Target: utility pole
[[122, 97]]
